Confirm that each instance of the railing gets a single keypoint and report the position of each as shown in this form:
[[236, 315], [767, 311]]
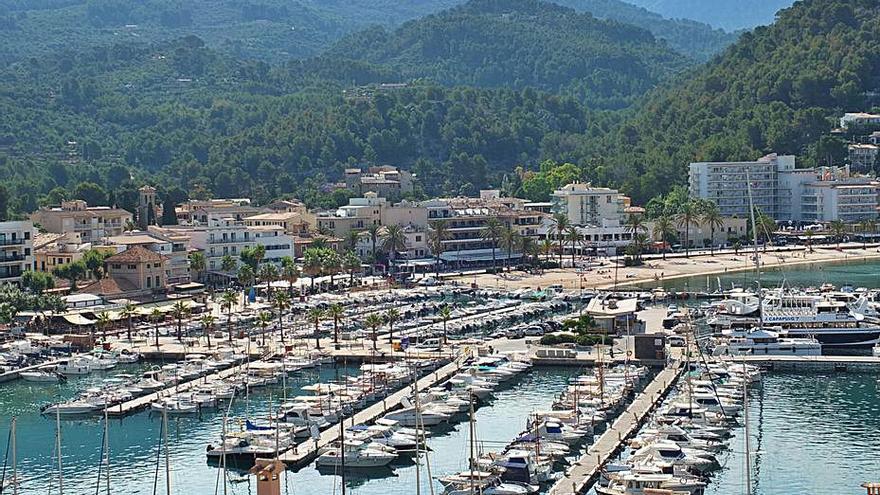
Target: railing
[[7, 259], [11, 242]]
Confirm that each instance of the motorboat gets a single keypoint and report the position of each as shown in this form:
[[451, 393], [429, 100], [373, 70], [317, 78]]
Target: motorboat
[[425, 417], [254, 442], [74, 366], [175, 406], [41, 376], [635, 483], [355, 454], [485, 482], [70, 408]]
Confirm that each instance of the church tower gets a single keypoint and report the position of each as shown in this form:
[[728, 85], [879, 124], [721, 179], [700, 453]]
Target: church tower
[[146, 209]]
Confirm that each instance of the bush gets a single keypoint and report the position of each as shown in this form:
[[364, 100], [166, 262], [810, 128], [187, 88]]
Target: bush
[[586, 340]]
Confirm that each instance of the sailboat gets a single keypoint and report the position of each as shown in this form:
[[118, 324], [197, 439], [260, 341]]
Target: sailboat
[[14, 481]]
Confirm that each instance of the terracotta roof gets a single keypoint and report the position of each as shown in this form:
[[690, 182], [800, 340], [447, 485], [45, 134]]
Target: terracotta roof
[[108, 286], [136, 254]]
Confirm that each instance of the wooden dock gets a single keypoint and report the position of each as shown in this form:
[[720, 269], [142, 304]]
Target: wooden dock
[[305, 452], [852, 364], [583, 473], [14, 374], [143, 402]]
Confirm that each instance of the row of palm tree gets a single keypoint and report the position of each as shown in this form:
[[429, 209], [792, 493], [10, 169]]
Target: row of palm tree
[[688, 214]]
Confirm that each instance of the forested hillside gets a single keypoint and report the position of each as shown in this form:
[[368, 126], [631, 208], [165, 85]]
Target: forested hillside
[[695, 39], [521, 43], [726, 14], [272, 30], [779, 89]]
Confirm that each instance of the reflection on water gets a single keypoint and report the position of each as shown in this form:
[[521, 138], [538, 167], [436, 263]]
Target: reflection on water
[[810, 433], [134, 440]]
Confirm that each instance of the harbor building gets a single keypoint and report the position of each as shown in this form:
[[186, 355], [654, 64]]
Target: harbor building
[[849, 200], [16, 250], [386, 181], [357, 215], [92, 223], [585, 205], [202, 212], [175, 251], [780, 190], [133, 273], [54, 250]]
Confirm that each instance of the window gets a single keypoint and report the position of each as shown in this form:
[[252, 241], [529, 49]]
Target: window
[[157, 281], [132, 267], [27, 235], [149, 281], [117, 266]]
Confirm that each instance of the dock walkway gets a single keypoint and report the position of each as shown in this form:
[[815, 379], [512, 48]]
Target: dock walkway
[[305, 452], [143, 402], [580, 477], [852, 364], [14, 374]]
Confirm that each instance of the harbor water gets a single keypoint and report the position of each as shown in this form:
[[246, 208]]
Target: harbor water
[[135, 440]]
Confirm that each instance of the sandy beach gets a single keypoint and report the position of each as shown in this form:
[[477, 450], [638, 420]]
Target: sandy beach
[[656, 270]]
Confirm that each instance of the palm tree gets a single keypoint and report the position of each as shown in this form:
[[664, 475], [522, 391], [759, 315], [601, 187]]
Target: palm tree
[[315, 315], [391, 316], [352, 264], [246, 278], [687, 215], [229, 299], [263, 320], [445, 314], [492, 233], [509, 241], [809, 235], [560, 225], [664, 230], [157, 317], [867, 226], [313, 264], [228, 264], [373, 322], [319, 243], [103, 322], [332, 263], [635, 226], [268, 273], [351, 240], [439, 232], [336, 313], [179, 310], [393, 242], [208, 322], [572, 236], [529, 248], [838, 229], [546, 247], [289, 272], [128, 311], [637, 246], [281, 301], [712, 217], [373, 230], [197, 263]]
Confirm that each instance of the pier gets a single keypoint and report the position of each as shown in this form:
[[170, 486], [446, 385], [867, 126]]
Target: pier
[[852, 364], [15, 374], [307, 451], [143, 402], [583, 473]]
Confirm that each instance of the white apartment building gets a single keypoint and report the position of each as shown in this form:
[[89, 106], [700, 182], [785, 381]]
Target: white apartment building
[[357, 215], [277, 242], [852, 119], [16, 250], [862, 157], [92, 223], [848, 200], [173, 247], [219, 238], [585, 205]]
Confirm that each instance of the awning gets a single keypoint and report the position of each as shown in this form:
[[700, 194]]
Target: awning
[[78, 320], [478, 255]]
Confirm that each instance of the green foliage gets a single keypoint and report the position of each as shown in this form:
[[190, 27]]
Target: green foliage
[[568, 338], [518, 44]]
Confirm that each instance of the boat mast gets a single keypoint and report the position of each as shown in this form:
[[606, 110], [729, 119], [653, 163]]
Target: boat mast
[[342, 445], [14, 461], [746, 421], [755, 244], [165, 441], [471, 426], [418, 457], [107, 447], [58, 449]]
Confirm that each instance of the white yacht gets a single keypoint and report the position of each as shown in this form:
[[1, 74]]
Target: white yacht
[[70, 408], [629, 483], [355, 454], [763, 342], [74, 366], [40, 376]]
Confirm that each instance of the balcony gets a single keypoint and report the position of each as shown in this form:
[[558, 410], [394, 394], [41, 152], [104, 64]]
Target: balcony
[[229, 241], [11, 242], [12, 258]]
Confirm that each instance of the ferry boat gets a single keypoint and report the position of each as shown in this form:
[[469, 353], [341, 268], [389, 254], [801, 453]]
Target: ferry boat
[[832, 322]]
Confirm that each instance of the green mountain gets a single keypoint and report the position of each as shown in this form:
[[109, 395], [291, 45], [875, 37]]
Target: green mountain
[[778, 89], [694, 39], [272, 30], [731, 15], [265, 29], [518, 44]]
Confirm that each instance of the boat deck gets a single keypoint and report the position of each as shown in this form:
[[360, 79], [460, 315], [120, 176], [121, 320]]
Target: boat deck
[[580, 477], [143, 402], [305, 452], [14, 374]]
